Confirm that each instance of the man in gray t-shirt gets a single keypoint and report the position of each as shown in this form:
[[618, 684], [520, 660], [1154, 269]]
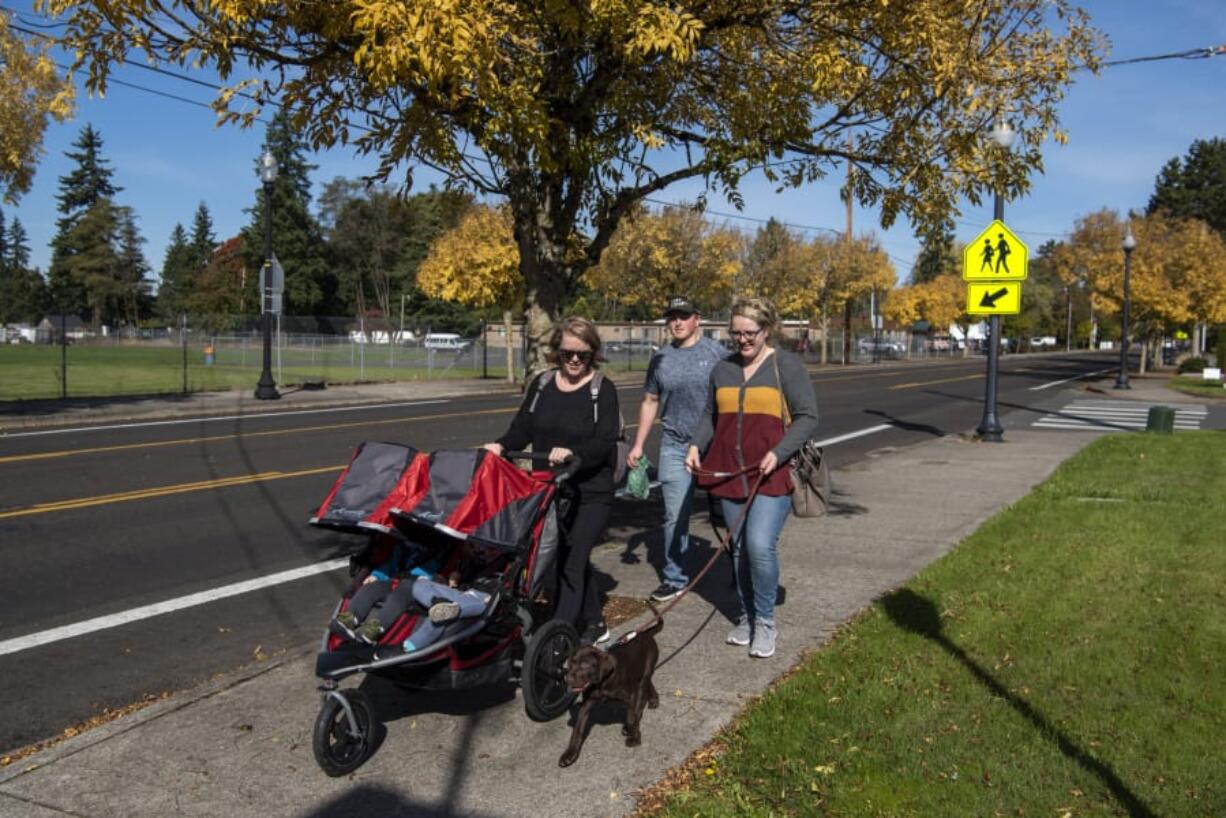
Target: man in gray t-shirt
[[676, 388]]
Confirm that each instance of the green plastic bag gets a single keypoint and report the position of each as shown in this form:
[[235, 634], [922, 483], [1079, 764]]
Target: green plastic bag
[[638, 484]]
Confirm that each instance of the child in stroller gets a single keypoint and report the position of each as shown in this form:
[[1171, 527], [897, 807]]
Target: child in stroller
[[418, 585]]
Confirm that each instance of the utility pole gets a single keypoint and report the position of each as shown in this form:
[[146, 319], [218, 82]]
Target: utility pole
[[847, 246]]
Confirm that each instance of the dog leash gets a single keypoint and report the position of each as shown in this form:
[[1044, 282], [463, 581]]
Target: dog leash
[[725, 545]]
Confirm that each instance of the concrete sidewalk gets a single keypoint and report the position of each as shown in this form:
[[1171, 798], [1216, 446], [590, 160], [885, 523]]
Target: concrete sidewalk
[[241, 746]]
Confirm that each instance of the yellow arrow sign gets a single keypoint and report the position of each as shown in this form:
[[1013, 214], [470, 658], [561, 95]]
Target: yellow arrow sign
[[996, 254], [1004, 298]]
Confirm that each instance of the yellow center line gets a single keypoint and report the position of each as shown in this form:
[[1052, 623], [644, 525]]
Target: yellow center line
[[162, 491], [913, 385], [25, 458]]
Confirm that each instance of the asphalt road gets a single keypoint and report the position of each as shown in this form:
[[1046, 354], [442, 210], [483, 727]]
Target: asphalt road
[[99, 523]]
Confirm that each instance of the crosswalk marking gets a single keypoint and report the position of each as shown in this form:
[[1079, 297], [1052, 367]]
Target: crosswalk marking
[[1115, 416]]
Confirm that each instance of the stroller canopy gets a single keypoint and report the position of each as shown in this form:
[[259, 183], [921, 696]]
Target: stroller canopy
[[472, 494], [368, 487]]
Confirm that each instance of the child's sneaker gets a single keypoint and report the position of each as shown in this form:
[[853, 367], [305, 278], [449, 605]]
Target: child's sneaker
[[343, 625], [347, 619], [369, 631], [444, 612]]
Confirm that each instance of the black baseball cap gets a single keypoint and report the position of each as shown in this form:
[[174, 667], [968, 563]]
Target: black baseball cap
[[679, 303]]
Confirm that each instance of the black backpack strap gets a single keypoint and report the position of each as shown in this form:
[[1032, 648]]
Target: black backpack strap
[[541, 381]]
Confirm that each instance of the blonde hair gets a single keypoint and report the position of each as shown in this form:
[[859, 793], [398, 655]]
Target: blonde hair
[[759, 310], [581, 328]]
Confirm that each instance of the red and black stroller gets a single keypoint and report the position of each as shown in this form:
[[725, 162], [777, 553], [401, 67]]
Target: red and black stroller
[[487, 525]]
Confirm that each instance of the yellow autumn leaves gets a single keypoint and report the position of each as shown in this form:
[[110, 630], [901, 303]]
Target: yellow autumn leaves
[[652, 256], [31, 90]]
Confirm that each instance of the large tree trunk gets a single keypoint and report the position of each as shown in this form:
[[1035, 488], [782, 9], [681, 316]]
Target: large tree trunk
[[543, 266]]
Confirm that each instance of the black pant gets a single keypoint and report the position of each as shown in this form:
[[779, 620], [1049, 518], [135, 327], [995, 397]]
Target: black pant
[[578, 602]]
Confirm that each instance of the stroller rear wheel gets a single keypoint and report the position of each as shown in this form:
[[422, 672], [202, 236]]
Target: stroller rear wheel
[[546, 695], [344, 732]]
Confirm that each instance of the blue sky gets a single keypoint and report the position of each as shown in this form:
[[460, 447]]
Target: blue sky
[[1123, 126]]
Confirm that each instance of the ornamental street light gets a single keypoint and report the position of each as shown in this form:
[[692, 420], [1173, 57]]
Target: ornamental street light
[[1130, 244], [267, 387], [989, 428]]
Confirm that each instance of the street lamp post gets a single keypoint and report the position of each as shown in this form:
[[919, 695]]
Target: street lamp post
[[1068, 332], [266, 389], [989, 429], [1130, 244]]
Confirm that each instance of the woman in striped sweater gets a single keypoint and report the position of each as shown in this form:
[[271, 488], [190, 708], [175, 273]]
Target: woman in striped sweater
[[753, 396]]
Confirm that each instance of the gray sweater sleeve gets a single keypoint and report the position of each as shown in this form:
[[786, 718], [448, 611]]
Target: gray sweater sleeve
[[705, 430], [802, 404]]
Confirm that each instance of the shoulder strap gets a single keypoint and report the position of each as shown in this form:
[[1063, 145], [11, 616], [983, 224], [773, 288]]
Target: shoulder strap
[[783, 401], [542, 381], [594, 387]]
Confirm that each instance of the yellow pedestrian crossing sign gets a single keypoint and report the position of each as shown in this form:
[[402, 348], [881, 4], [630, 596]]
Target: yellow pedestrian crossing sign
[[994, 298], [996, 254]]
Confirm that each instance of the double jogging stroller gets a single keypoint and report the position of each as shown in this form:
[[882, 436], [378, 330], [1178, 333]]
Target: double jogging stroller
[[484, 524]]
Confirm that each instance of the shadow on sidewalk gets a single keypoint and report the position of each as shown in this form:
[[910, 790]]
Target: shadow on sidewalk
[[919, 615], [367, 800]]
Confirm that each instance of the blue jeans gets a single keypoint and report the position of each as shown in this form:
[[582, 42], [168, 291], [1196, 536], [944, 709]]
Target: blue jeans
[[755, 552], [677, 486]]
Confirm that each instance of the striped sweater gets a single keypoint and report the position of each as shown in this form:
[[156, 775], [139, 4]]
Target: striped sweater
[[744, 420]]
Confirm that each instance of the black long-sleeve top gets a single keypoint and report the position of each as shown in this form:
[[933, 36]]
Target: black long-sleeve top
[[567, 419]]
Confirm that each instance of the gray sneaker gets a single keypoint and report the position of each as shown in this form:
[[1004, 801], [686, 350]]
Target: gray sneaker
[[763, 640], [740, 634]]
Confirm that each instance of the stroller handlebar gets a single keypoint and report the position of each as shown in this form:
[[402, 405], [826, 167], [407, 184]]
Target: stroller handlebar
[[563, 473]]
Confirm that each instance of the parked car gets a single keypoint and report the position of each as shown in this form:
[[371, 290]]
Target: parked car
[[883, 346], [635, 346], [1043, 341], [445, 340]]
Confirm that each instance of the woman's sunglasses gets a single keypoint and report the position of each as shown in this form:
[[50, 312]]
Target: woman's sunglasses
[[584, 355]]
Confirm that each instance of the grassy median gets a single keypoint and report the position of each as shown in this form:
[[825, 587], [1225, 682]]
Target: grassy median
[[1066, 660]]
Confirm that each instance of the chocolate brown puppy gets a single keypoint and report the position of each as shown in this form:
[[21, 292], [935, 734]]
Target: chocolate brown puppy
[[623, 673]]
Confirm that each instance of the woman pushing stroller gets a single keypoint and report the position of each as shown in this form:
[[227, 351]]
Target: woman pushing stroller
[[563, 415]]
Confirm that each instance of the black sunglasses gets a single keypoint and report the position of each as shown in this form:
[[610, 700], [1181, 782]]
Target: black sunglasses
[[584, 355]]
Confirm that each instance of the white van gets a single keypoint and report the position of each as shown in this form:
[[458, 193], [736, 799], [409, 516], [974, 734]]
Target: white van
[[444, 340]]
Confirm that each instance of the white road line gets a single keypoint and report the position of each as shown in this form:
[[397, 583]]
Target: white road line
[[1074, 378], [214, 419], [830, 441], [100, 623]]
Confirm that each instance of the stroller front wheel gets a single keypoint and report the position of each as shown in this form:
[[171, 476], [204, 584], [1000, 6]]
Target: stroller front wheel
[[546, 695], [344, 732]]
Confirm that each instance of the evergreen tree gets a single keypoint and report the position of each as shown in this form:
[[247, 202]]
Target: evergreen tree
[[88, 182], [178, 268], [936, 256], [1194, 187], [90, 260], [297, 240], [137, 301], [24, 293], [4, 252], [80, 190], [203, 240]]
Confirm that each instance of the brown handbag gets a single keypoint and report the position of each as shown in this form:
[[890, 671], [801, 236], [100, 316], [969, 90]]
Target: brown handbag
[[810, 477]]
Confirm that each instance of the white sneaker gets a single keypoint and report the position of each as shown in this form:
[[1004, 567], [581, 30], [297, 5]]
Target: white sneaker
[[763, 640], [740, 634]]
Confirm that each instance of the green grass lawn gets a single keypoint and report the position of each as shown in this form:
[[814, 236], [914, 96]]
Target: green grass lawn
[[33, 371], [1065, 660], [29, 372], [1199, 388]]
